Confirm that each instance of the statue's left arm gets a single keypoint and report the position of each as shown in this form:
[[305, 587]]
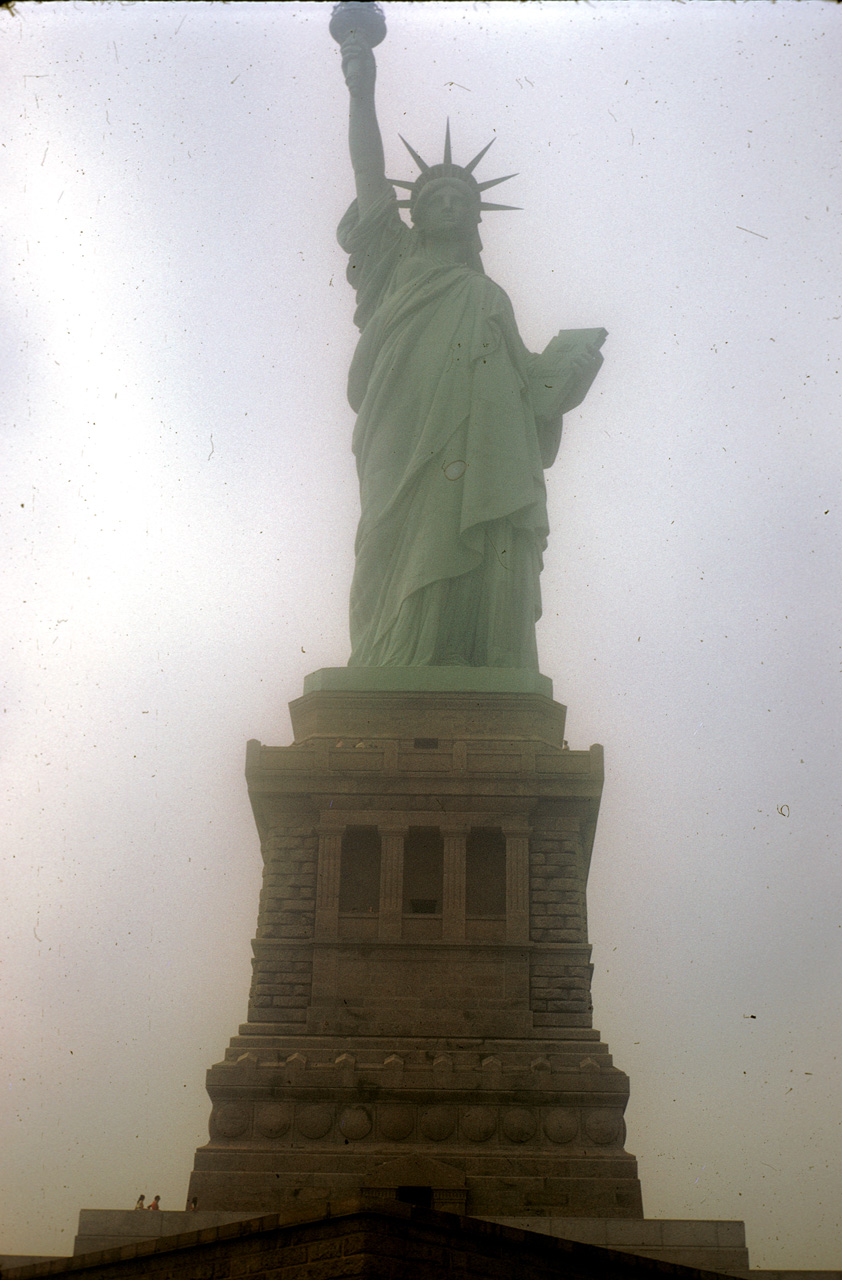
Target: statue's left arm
[[560, 378]]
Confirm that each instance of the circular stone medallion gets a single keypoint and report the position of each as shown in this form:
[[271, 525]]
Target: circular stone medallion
[[314, 1122], [273, 1120], [355, 1122], [561, 1125], [395, 1121], [519, 1125], [604, 1126], [437, 1123], [479, 1123], [230, 1119]]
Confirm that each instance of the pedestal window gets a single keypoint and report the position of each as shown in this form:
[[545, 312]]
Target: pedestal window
[[359, 883], [485, 884], [423, 881]]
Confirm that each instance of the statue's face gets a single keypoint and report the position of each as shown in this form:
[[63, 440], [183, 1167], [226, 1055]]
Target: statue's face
[[445, 207]]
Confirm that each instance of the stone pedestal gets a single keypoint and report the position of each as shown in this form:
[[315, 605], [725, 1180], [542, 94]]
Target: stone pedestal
[[420, 1018]]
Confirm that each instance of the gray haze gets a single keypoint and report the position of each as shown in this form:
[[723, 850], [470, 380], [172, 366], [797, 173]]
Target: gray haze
[[179, 508]]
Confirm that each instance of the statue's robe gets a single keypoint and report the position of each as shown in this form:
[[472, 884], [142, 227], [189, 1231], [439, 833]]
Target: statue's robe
[[449, 456]]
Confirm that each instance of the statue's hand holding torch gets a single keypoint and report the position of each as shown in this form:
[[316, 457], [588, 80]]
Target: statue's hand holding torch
[[358, 67], [358, 26]]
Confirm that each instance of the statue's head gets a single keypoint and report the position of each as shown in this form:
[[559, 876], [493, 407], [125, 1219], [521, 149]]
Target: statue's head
[[447, 186], [443, 202]]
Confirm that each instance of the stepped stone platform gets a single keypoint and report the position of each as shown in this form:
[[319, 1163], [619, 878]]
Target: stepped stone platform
[[355, 1239], [705, 1245], [101, 1229]]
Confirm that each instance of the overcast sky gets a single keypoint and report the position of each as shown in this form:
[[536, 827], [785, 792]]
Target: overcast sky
[[178, 511]]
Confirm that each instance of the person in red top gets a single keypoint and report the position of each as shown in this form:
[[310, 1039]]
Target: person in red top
[[154, 1204]]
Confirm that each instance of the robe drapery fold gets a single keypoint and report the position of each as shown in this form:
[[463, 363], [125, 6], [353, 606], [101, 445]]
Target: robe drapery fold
[[454, 519]]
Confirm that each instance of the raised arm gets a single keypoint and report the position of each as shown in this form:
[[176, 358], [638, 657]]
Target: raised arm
[[366, 146]]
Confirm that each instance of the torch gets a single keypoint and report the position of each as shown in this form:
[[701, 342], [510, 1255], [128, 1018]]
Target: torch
[[358, 18]]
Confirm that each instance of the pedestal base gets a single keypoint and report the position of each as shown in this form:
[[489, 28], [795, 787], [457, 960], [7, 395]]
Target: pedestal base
[[420, 1019]]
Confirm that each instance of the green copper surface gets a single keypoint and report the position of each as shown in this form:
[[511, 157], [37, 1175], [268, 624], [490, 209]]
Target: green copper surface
[[456, 420], [433, 679]]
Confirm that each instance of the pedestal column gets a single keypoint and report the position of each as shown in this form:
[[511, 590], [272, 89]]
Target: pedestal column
[[517, 882], [327, 883], [453, 891], [391, 883]]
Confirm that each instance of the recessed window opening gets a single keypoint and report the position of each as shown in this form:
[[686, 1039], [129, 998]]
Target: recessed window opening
[[426, 744], [422, 1196], [423, 871], [485, 872], [359, 873]]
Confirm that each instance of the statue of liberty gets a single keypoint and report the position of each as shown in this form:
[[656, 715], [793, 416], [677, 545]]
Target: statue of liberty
[[456, 420]]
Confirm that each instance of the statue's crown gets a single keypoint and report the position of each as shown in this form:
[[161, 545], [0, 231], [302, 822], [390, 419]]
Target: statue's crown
[[447, 169]]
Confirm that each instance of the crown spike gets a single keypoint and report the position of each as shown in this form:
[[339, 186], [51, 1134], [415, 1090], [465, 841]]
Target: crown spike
[[447, 156], [469, 168], [493, 182], [486, 205], [422, 164]]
